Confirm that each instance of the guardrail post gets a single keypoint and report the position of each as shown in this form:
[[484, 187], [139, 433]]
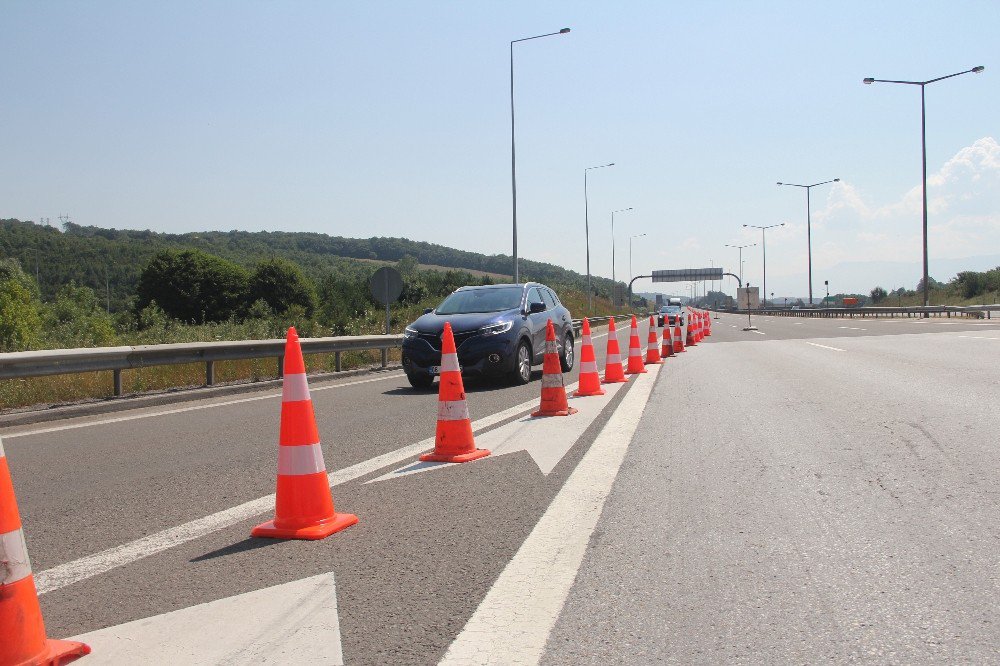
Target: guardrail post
[[385, 358], [209, 373], [118, 383], [336, 361], [281, 367]]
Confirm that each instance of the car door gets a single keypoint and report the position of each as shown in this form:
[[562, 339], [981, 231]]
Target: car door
[[536, 323], [558, 314]]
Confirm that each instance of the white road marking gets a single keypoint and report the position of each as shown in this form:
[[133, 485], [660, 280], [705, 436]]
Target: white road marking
[[92, 565], [977, 337], [546, 439], [757, 332], [293, 623], [853, 328], [825, 347], [514, 620], [192, 408]]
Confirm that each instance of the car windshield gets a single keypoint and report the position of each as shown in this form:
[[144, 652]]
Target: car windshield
[[471, 301]]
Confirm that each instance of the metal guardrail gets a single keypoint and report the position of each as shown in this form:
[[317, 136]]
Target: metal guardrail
[[977, 311], [18, 365]]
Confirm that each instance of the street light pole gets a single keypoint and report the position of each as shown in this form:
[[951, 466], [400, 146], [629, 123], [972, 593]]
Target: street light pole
[[630, 274], [740, 248], [513, 152], [809, 241], [923, 151], [586, 223], [763, 247], [620, 210]]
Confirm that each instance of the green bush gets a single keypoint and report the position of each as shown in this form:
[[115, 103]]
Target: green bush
[[194, 286], [282, 285]]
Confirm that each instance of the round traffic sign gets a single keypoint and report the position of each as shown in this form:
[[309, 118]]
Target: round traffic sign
[[386, 285]]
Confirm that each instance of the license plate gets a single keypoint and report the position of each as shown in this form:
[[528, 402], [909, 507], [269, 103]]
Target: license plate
[[436, 369]]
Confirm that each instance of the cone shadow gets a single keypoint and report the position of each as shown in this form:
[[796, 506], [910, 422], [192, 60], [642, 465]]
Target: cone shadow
[[250, 543]]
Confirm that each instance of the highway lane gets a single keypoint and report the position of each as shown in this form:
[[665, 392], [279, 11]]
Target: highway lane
[[827, 494], [88, 488], [428, 548]]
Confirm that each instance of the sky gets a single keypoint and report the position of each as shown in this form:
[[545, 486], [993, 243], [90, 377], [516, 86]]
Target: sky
[[393, 119]]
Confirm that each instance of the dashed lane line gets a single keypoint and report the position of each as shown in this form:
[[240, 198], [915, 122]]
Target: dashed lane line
[[514, 620], [837, 349], [977, 337]]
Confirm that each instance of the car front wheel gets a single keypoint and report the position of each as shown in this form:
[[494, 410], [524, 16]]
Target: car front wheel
[[420, 381], [521, 374], [568, 356]]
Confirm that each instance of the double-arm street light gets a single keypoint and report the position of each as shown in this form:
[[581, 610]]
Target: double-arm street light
[[513, 160], [630, 273], [763, 247], [809, 240], [586, 223], [740, 248], [620, 210], [923, 150]]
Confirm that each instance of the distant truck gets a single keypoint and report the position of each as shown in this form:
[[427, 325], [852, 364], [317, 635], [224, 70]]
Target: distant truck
[[850, 300], [674, 301]]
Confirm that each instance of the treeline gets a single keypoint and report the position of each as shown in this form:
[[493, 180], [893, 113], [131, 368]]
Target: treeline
[[110, 261], [190, 295]]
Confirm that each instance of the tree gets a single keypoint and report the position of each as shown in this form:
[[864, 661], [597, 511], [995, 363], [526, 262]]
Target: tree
[[19, 320], [282, 285], [878, 295], [76, 318], [194, 286]]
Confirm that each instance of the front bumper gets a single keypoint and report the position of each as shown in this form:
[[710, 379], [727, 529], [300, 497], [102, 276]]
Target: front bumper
[[485, 355]]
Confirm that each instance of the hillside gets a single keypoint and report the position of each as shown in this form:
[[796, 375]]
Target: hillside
[[110, 260]]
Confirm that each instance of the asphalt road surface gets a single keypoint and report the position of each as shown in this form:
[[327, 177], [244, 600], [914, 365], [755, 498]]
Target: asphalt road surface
[[816, 490]]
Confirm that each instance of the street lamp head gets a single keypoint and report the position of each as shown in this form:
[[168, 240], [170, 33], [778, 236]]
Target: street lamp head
[[564, 31], [746, 225], [868, 81], [836, 180], [977, 70], [782, 224], [780, 183]]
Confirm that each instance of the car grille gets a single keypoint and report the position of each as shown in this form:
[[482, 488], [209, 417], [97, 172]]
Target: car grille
[[434, 339]]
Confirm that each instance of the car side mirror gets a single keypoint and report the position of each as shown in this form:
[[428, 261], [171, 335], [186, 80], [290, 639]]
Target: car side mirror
[[428, 310], [536, 307]]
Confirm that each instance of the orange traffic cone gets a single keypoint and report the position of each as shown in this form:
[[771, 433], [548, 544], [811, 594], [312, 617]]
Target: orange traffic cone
[[304, 504], [590, 380], [453, 442], [668, 344], [692, 339], [22, 631], [653, 344], [699, 331], [678, 337], [708, 324], [553, 388], [635, 364], [614, 373]]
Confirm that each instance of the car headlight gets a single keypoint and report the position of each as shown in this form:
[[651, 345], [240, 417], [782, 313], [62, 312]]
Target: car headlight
[[409, 333], [497, 329]]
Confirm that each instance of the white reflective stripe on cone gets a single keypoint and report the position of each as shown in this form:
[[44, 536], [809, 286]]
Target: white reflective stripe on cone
[[299, 460], [613, 358], [550, 347], [587, 340], [634, 351], [588, 366], [449, 363], [295, 388], [14, 562], [552, 381], [453, 410], [2, 454]]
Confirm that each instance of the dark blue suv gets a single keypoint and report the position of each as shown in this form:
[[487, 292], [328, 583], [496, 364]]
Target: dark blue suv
[[499, 332]]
